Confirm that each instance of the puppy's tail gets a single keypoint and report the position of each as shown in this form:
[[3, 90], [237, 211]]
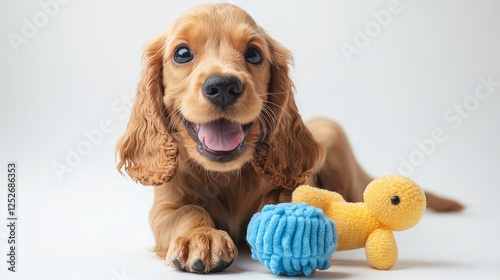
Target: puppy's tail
[[441, 204]]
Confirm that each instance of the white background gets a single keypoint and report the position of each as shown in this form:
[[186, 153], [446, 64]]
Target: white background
[[80, 67]]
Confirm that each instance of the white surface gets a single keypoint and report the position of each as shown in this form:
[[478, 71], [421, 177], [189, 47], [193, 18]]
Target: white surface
[[79, 68]]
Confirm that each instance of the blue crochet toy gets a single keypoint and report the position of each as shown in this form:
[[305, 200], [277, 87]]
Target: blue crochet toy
[[292, 239]]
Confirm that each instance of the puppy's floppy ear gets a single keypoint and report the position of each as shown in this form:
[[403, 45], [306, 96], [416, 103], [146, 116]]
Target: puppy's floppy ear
[[146, 151], [288, 153]]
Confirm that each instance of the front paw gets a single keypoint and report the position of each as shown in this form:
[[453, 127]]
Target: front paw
[[202, 251]]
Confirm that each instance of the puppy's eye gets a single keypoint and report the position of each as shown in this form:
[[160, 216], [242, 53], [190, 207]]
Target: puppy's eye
[[395, 200], [183, 55], [253, 55]]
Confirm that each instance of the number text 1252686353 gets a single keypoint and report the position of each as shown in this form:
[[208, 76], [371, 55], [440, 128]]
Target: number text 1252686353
[[11, 216]]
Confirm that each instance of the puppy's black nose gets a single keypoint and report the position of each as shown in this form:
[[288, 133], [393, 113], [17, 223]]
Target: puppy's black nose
[[222, 91]]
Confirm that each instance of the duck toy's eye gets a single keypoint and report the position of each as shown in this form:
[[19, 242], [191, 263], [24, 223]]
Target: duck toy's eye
[[395, 200]]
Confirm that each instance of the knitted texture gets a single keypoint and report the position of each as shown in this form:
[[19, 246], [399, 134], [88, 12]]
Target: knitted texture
[[391, 203], [292, 239]]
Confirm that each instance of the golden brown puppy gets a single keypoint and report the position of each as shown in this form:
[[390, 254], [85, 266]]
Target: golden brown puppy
[[216, 130]]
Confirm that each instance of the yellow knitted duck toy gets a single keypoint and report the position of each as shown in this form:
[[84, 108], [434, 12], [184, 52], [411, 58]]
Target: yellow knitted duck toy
[[391, 203]]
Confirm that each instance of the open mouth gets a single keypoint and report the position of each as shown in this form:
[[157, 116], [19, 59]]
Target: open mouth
[[220, 140]]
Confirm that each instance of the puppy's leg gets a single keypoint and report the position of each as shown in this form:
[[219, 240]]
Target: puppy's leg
[[186, 238], [342, 173]]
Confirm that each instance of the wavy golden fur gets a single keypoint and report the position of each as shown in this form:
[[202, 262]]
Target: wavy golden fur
[[203, 201]]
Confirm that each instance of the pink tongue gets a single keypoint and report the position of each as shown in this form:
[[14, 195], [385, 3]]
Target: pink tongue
[[221, 135]]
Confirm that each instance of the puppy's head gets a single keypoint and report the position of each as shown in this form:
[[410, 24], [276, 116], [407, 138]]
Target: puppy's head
[[216, 73], [214, 84]]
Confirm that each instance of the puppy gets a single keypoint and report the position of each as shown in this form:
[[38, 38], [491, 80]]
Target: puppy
[[216, 130]]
